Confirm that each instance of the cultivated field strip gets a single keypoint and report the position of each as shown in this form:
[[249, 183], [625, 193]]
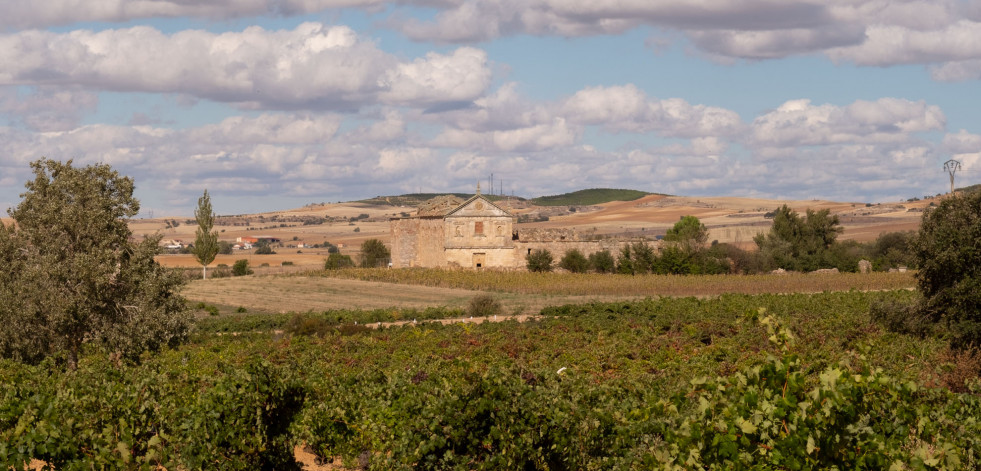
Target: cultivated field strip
[[519, 293], [629, 285], [316, 293]]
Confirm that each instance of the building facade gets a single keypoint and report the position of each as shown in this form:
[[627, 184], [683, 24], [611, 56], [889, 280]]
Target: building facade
[[447, 232]]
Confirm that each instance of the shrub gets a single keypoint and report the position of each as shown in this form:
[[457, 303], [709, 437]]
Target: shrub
[[602, 261], [644, 257], [625, 261], [949, 263], [374, 253], [335, 260], [241, 268], [307, 325], [539, 260], [263, 248], [484, 305], [574, 261], [287, 263]]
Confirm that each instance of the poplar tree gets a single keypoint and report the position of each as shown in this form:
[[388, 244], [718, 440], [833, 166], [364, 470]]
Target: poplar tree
[[206, 240]]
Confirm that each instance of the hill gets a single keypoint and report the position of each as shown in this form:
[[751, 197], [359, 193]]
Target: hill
[[590, 197], [415, 199]]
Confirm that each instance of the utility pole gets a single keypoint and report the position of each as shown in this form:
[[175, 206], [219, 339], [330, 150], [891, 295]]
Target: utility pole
[[952, 166]]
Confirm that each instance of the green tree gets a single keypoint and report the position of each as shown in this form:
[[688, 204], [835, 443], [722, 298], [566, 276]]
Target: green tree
[[374, 253], [574, 261], [949, 260], [335, 261], [224, 247], [206, 240], [539, 260], [602, 261], [625, 261], [689, 233], [72, 276], [241, 268], [263, 247], [644, 256], [803, 244]]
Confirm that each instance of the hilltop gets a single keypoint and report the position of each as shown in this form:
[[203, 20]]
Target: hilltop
[[590, 196]]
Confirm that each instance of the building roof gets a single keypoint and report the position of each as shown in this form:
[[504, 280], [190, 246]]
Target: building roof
[[439, 206], [482, 198]]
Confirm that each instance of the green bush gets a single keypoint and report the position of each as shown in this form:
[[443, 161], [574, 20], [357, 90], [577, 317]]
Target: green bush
[[602, 261], [949, 276], [484, 305], [301, 324], [574, 261], [539, 260], [335, 261], [374, 253], [264, 248], [241, 268]]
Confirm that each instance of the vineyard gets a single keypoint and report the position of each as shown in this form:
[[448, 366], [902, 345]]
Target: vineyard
[[738, 381]]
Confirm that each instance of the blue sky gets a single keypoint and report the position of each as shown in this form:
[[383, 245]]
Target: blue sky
[[273, 104]]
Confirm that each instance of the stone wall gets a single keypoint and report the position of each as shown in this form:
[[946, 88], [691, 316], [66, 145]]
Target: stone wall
[[491, 258], [558, 248], [417, 242]]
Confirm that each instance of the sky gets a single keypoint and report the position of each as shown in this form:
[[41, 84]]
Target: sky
[[275, 104]]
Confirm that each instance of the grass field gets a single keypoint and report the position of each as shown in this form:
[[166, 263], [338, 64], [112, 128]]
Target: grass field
[[280, 294], [627, 285], [518, 292]]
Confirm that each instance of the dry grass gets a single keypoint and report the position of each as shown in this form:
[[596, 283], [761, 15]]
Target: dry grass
[[626, 285], [317, 293]]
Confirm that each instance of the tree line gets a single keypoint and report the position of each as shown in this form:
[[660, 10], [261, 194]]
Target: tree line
[[795, 242]]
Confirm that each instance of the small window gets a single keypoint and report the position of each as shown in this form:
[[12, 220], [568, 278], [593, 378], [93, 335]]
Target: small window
[[478, 228]]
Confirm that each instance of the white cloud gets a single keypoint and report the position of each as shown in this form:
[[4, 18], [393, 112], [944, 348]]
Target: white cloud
[[401, 161], [461, 76], [16, 14], [891, 45], [799, 123], [481, 20], [312, 66], [47, 109], [774, 44], [962, 142], [957, 71], [626, 108]]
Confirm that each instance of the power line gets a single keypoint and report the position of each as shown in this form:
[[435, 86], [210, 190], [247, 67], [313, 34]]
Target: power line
[[952, 166]]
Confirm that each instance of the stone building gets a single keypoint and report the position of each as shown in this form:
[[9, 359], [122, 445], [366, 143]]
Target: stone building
[[448, 232]]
